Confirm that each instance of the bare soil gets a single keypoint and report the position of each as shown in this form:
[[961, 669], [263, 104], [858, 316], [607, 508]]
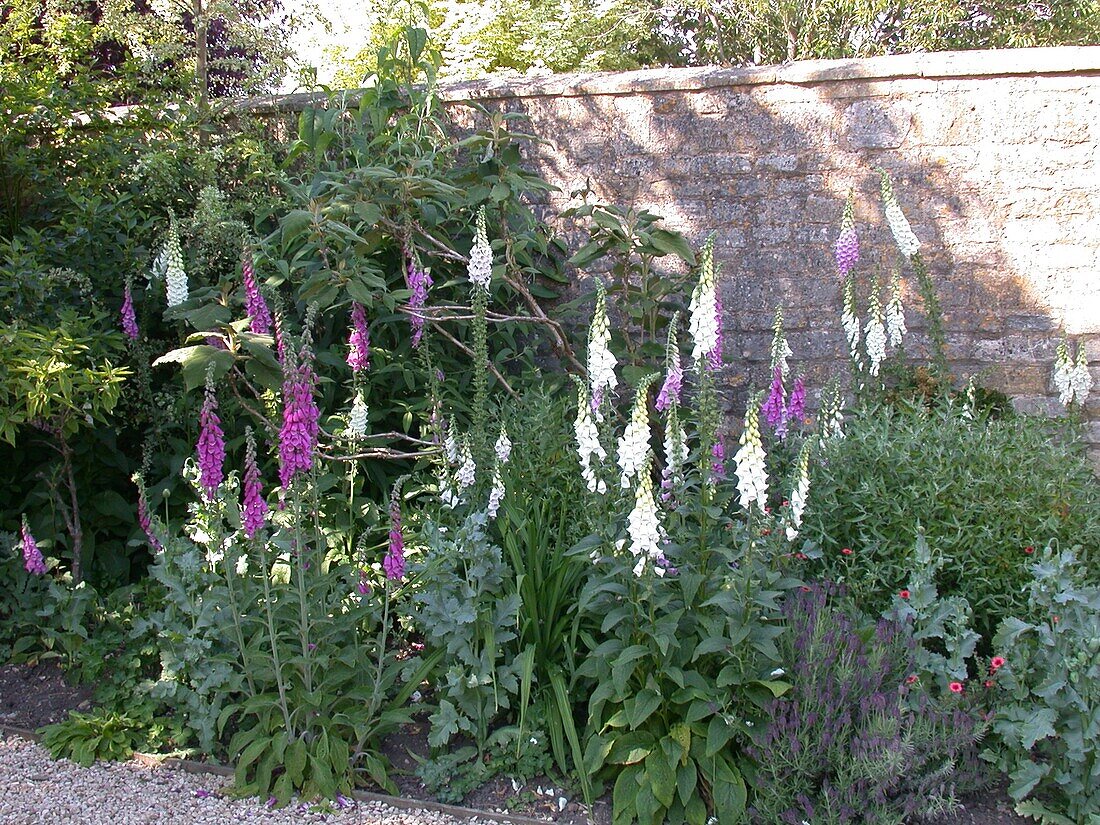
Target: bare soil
[[33, 696]]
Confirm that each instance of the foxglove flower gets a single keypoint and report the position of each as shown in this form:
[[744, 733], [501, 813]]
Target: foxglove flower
[[33, 562], [832, 412], [847, 242], [676, 449], [466, 466], [1063, 373], [211, 446], [714, 357], [300, 427], [774, 408], [357, 418], [588, 440], [496, 493], [780, 349], [145, 521], [358, 339], [801, 491], [503, 447], [129, 317], [175, 278], [718, 459], [875, 334], [1082, 378], [450, 444], [970, 406], [601, 361], [254, 304], [796, 406], [634, 444], [394, 562], [752, 473], [674, 373], [481, 256], [895, 314], [253, 506], [849, 319], [643, 524], [907, 242], [419, 282], [703, 324], [278, 322]]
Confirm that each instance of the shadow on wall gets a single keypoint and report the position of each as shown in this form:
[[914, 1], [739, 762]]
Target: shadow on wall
[[995, 157]]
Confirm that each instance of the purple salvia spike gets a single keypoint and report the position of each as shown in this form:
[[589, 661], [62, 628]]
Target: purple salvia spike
[[253, 508], [358, 339], [211, 445], [129, 317], [254, 303], [33, 562]]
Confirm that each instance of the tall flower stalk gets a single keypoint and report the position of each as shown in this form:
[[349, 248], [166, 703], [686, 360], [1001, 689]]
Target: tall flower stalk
[[171, 255], [875, 333], [211, 444], [601, 361], [909, 247], [419, 281], [394, 562], [849, 319], [587, 436], [127, 315], [253, 506], [33, 562], [358, 339], [847, 242], [801, 490], [895, 312], [259, 316], [752, 472], [704, 308], [634, 445]]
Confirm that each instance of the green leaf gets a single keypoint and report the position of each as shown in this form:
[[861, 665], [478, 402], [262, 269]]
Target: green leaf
[[194, 362], [719, 733], [729, 794], [644, 704], [660, 776]]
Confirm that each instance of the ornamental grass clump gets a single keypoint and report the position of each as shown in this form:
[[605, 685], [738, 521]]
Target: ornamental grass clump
[[849, 743]]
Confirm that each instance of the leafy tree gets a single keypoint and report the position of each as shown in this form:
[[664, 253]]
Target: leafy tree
[[521, 36]]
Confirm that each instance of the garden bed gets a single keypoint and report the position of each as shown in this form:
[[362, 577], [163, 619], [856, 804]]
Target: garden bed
[[32, 696]]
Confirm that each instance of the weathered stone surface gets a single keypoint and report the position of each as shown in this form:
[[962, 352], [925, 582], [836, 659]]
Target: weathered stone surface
[[995, 158]]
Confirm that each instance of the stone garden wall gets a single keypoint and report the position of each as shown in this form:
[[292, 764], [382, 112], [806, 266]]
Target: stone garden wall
[[995, 155]]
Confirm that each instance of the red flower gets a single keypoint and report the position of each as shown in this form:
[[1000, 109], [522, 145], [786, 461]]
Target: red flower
[[904, 594], [765, 532], [847, 551], [996, 663], [989, 683], [805, 589], [1029, 549], [956, 687], [911, 679]]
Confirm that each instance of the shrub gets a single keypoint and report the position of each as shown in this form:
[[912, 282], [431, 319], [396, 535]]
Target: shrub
[[850, 743], [983, 492], [1048, 717]]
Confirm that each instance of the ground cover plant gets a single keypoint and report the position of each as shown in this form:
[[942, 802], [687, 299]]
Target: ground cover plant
[[391, 483]]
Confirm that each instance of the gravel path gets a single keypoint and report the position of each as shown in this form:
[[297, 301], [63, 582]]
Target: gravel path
[[34, 789]]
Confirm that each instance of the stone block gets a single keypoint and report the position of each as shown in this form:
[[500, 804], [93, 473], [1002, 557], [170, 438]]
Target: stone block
[[879, 123]]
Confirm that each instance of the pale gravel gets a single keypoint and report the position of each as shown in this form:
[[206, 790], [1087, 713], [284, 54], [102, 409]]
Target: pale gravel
[[36, 790]]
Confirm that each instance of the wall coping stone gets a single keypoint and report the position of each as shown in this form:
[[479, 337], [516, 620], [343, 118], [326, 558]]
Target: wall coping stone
[[1053, 60]]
